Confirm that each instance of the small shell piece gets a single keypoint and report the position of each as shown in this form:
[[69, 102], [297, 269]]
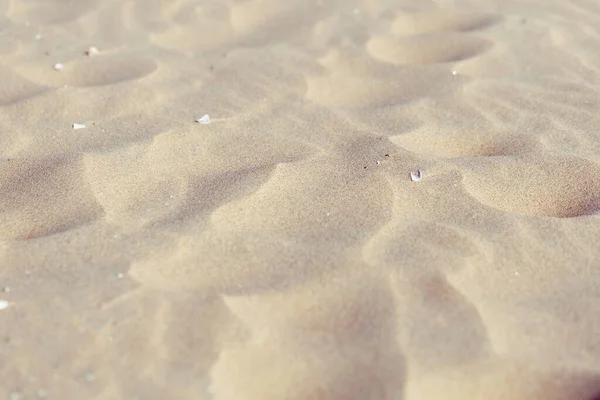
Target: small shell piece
[[78, 126], [3, 304], [205, 119], [415, 176], [58, 66], [92, 50]]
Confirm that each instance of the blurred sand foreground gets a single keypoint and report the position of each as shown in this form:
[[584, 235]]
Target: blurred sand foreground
[[278, 249]]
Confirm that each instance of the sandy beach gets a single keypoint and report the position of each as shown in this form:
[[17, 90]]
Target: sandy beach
[[300, 199]]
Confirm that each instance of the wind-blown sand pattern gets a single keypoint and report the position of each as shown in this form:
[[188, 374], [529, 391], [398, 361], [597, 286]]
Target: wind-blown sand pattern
[[282, 250]]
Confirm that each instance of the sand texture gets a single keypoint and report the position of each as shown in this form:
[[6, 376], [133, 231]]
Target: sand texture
[[278, 248]]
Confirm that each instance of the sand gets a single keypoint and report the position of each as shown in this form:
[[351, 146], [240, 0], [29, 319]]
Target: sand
[[278, 248]]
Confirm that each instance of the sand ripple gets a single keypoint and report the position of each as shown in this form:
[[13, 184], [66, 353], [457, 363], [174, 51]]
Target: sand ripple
[[281, 250]]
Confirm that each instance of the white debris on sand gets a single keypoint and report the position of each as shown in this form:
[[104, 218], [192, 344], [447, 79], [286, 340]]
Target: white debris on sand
[[58, 66], [78, 126], [204, 120], [415, 176], [92, 50], [3, 304]]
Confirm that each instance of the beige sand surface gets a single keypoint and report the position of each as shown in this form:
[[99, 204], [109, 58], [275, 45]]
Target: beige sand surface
[[282, 251]]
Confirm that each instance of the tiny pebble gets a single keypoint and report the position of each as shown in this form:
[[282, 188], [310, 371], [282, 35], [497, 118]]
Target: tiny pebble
[[120, 275], [78, 126], [91, 51], [7, 290], [378, 162], [38, 36], [204, 120], [58, 66], [3, 304], [454, 72]]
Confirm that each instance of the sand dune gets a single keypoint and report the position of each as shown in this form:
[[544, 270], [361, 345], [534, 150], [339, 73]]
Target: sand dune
[[281, 249]]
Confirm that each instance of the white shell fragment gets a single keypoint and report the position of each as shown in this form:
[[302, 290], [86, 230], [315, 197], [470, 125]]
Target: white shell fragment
[[415, 176], [91, 51], [204, 120], [3, 304], [78, 126], [58, 66]]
